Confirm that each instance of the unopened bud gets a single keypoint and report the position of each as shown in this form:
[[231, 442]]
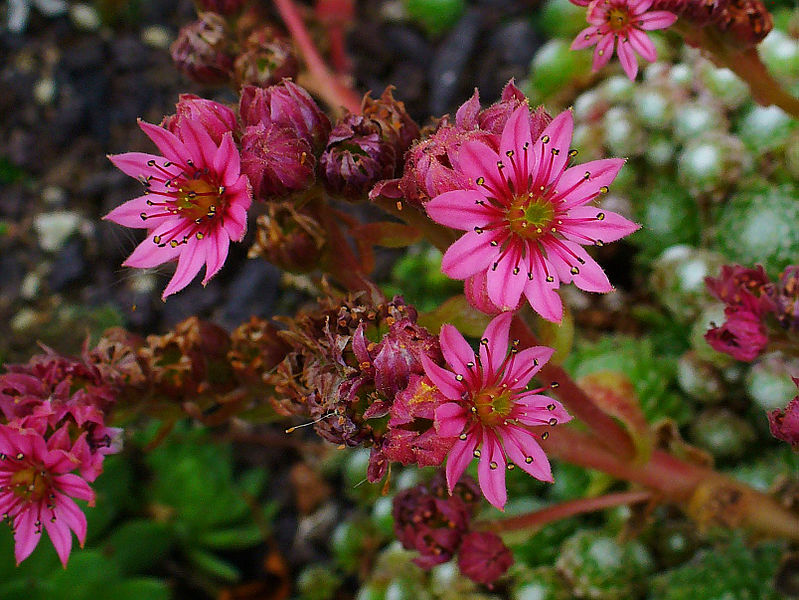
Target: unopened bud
[[265, 59], [202, 50], [275, 160], [217, 119]]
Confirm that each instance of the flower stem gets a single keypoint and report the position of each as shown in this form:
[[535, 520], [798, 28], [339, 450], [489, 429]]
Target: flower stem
[[331, 89], [746, 64], [578, 402], [562, 510]]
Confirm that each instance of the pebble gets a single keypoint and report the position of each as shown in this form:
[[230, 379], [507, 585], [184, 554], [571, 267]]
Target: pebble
[[157, 36], [451, 59], [53, 228], [69, 266], [44, 91], [85, 17]]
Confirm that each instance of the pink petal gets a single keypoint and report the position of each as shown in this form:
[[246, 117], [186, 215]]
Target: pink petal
[[197, 140], [657, 19], [72, 515], [506, 278], [574, 188], [526, 364], [148, 254], [135, 164], [461, 209], [217, 244], [522, 446], [639, 7], [597, 13], [603, 51], [450, 419], [532, 409], [74, 486], [476, 161], [227, 161], [471, 253], [551, 150], [541, 293], [191, 260], [589, 276], [444, 380], [456, 350], [582, 225], [627, 58], [492, 480], [129, 214], [643, 45], [60, 536], [586, 38], [460, 456], [516, 137], [493, 352], [168, 143], [26, 536]]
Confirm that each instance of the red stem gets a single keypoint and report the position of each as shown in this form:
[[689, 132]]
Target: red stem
[[608, 431], [563, 510], [331, 89]]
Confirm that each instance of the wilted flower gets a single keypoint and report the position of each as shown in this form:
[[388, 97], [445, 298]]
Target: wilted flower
[[527, 216], [217, 119], [289, 237], [490, 408], [265, 59], [742, 288], [784, 424], [785, 298], [195, 201], [396, 125], [703, 12], [622, 23], [36, 490], [356, 157], [202, 50], [430, 521], [255, 349], [483, 557], [743, 335]]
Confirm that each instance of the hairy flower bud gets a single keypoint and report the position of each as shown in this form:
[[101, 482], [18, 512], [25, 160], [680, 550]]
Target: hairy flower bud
[[396, 126], [483, 557], [217, 119], [265, 59], [748, 21], [287, 105], [289, 238], [202, 50], [356, 157], [275, 160], [784, 423]]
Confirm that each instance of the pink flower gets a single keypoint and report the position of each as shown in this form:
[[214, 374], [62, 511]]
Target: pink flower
[[527, 216], [490, 408], [36, 490], [784, 424], [195, 201], [483, 557], [622, 23]]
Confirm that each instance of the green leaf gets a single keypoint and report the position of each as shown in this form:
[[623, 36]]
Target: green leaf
[[234, 538], [214, 566], [138, 545], [140, 588]]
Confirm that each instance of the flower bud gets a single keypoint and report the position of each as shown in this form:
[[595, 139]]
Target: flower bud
[[265, 59], [202, 50], [784, 424], [743, 336], [217, 119], [396, 126], [275, 160], [356, 157], [495, 117], [483, 557], [289, 238], [287, 105], [785, 297]]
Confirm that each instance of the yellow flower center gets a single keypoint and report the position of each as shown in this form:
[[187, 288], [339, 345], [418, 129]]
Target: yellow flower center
[[197, 199], [31, 484], [618, 19], [493, 405], [530, 216]]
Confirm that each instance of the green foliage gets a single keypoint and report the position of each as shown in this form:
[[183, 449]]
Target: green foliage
[[436, 16], [418, 278], [733, 572]]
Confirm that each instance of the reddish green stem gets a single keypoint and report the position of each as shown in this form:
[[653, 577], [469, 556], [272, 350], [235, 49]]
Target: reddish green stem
[[563, 510], [331, 89]]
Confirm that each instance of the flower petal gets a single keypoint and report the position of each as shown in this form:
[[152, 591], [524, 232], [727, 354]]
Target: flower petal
[[586, 38], [450, 419], [494, 344], [217, 244], [460, 456], [26, 534], [603, 51], [197, 139], [627, 58], [461, 209], [74, 486], [456, 350], [657, 19], [148, 254], [61, 537], [573, 263], [444, 380], [523, 449], [516, 145], [191, 260], [584, 182], [587, 224], [227, 161], [526, 364], [479, 162], [491, 470], [643, 45], [130, 213], [551, 150], [72, 515], [506, 278], [169, 144], [471, 253], [541, 293]]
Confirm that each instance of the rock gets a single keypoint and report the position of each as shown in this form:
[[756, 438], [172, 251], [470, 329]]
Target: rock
[[53, 228], [69, 267]]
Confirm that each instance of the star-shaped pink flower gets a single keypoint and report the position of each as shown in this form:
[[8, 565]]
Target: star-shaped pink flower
[[622, 24], [490, 408], [528, 215]]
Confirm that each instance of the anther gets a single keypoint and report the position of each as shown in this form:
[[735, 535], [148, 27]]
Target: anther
[[545, 139], [516, 270], [157, 239], [478, 230], [572, 153], [550, 279], [554, 385], [553, 421], [143, 216], [484, 341], [199, 235], [462, 437], [551, 407], [604, 189], [511, 466], [481, 180], [509, 154], [599, 243], [587, 175], [494, 243], [574, 271], [500, 165], [476, 453], [20, 456], [530, 276], [545, 435], [459, 377], [600, 216], [173, 243], [555, 151], [2, 456], [470, 365], [151, 163], [494, 266], [492, 465], [528, 459]]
